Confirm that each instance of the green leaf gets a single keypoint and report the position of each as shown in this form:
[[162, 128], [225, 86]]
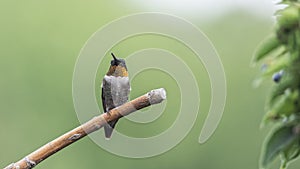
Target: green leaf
[[267, 46], [288, 17], [284, 106], [279, 141], [277, 65], [292, 152], [279, 89]]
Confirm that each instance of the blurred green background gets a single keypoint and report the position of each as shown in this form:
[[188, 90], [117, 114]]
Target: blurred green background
[[39, 45]]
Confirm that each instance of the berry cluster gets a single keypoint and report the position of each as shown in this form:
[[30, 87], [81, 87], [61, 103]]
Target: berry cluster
[[280, 54]]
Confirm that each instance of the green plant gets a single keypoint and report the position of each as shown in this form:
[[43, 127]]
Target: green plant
[[280, 54]]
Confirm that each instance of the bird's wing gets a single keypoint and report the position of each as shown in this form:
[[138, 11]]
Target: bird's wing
[[107, 105], [103, 100]]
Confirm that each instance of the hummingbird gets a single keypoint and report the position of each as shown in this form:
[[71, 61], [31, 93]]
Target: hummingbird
[[115, 90]]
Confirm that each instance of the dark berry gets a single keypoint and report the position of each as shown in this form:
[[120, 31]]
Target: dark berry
[[277, 76]]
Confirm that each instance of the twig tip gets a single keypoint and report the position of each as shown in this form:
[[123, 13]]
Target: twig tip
[[157, 95]]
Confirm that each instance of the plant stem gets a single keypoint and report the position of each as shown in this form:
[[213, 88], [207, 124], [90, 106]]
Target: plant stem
[[30, 161], [283, 164]]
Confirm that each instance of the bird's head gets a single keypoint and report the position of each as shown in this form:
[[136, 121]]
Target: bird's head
[[117, 67]]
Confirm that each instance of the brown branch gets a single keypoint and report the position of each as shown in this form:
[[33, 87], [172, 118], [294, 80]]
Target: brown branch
[[153, 97]]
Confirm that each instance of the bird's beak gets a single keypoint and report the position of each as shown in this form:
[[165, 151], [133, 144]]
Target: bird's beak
[[114, 57]]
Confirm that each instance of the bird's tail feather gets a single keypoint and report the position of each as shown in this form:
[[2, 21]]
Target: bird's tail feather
[[108, 129]]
